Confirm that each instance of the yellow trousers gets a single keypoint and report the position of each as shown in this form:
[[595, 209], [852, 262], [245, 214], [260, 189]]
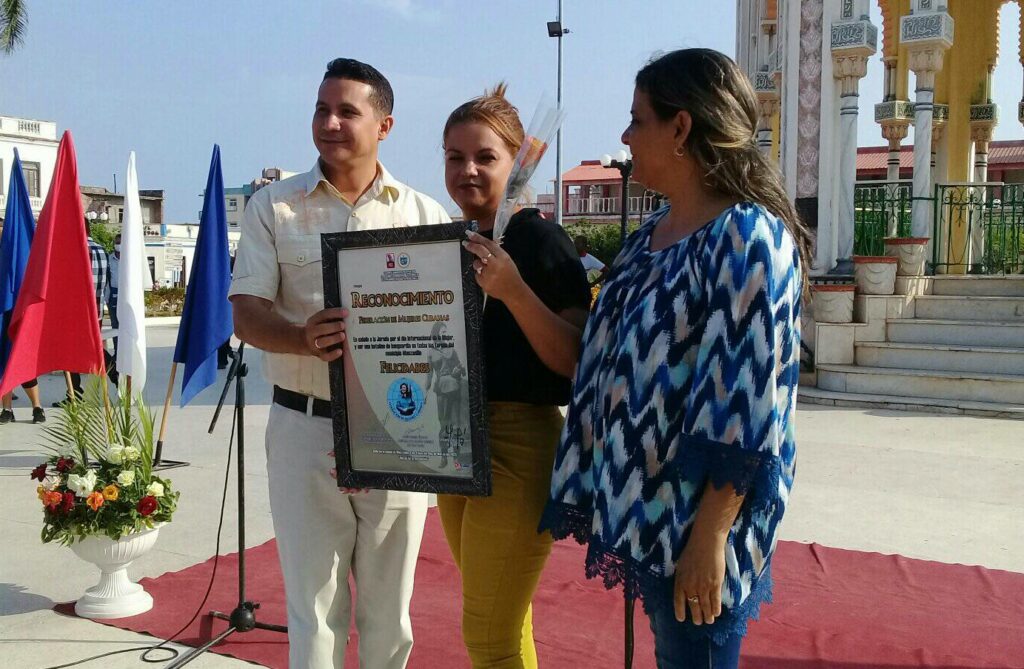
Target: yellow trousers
[[494, 539]]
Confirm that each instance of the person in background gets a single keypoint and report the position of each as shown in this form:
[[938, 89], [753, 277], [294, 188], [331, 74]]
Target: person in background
[[595, 269], [32, 390], [225, 352], [114, 260], [100, 261]]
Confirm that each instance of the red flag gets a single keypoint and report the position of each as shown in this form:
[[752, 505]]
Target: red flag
[[55, 325]]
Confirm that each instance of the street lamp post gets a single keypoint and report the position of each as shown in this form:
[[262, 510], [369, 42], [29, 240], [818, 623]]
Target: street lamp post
[[624, 164], [555, 29]]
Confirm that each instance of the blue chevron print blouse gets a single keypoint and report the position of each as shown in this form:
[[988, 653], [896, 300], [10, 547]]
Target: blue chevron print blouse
[[688, 373]]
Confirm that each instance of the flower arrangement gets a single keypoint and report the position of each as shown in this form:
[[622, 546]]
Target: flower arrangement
[[545, 123], [98, 479]]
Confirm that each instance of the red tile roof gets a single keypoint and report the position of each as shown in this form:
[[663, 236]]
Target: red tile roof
[[1002, 154], [591, 171], [1005, 154]]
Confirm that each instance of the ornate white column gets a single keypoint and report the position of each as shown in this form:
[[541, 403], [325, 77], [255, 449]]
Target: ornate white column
[[938, 168], [895, 118], [927, 33], [1020, 55], [983, 121], [854, 40], [767, 108], [766, 82]]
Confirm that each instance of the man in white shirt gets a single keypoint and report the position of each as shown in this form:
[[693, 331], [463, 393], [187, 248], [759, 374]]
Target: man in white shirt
[[595, 269], [277, 299]]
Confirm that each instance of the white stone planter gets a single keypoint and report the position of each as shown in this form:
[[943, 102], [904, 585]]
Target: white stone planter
[[910, 252], [875, 275], [833, 303], [115, 596]]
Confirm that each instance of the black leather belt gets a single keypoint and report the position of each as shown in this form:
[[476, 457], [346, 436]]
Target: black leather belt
[[290, 399]]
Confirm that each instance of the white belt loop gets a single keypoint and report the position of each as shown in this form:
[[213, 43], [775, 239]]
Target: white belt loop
[[309, 405]]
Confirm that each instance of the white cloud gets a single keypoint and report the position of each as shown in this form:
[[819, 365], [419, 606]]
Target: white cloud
[[412, 10]]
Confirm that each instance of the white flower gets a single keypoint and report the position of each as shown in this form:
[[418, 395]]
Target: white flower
[[131, 453], [115, 454], [82, 485], [126, 478], [51, 482], [156, 489]]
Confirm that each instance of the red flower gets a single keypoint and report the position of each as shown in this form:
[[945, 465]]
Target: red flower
[[39, 473], [146, 505], [64, 465], [68, 504]]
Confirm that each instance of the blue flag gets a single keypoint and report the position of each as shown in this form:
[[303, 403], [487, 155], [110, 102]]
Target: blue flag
[[206, 319], [19, 227]]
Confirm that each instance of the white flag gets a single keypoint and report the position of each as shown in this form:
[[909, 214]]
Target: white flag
[[132, 279]]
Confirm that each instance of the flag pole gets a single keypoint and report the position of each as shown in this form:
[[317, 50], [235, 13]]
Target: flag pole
[[71, 386], [106, 401], [163, 416], [158, 456]]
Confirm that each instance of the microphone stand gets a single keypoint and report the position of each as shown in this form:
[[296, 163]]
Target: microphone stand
[[243, 617]]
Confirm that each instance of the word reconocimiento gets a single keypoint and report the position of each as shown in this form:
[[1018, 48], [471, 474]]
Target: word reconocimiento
[[408, 299]]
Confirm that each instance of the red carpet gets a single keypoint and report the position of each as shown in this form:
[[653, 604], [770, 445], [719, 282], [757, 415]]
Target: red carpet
[[835, 609]]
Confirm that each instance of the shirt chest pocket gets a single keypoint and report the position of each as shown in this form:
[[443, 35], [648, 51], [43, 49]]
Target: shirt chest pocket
[[299, 257]]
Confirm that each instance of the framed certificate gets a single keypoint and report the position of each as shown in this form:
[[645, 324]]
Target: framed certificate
[[408, 396]]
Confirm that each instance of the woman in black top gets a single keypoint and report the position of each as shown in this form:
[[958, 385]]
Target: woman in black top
[[533, 321]]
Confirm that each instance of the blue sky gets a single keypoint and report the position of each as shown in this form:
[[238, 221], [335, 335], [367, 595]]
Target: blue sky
[[169, 79]]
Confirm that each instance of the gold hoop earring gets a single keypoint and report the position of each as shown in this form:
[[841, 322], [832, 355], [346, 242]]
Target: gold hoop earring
[[680, 151]]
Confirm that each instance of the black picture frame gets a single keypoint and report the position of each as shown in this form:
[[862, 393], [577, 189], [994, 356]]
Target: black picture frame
[[348, 476]]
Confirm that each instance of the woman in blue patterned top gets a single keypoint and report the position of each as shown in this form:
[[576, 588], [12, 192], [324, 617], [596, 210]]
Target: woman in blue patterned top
[[677, 456]]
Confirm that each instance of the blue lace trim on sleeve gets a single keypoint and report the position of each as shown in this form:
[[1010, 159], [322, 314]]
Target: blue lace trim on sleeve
[[754, 474], [567, 520]]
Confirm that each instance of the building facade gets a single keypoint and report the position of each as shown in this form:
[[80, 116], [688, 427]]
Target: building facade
[[36, 142], [593, 193], [806, 59], [235, 199], [101, 201]]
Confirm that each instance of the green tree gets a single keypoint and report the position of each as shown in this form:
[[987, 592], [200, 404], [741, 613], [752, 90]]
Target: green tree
[[103, 235], [604, 238], [13, 24]]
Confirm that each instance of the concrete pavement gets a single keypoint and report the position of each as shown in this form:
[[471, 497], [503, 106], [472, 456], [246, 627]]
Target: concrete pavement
[[944, 488]]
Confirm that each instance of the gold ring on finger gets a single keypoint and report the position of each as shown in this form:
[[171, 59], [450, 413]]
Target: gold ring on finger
[[693, 600], [316, 343]]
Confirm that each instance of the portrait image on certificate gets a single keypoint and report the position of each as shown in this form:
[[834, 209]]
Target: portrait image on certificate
[[408, 393]]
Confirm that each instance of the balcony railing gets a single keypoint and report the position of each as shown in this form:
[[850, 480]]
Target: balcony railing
[[606, 206], [881, 209], [35, 202], [979, 228]]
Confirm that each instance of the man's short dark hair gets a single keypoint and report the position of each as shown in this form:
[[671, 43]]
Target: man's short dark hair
[[381, 95]]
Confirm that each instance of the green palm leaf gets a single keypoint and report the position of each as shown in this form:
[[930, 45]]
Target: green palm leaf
[[13, 24]]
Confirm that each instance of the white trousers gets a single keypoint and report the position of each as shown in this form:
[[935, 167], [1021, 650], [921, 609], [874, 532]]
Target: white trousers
[[323, 534]]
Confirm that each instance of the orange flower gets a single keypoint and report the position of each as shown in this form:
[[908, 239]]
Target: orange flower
[[53, 500], [111, 492], [94, 500]]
